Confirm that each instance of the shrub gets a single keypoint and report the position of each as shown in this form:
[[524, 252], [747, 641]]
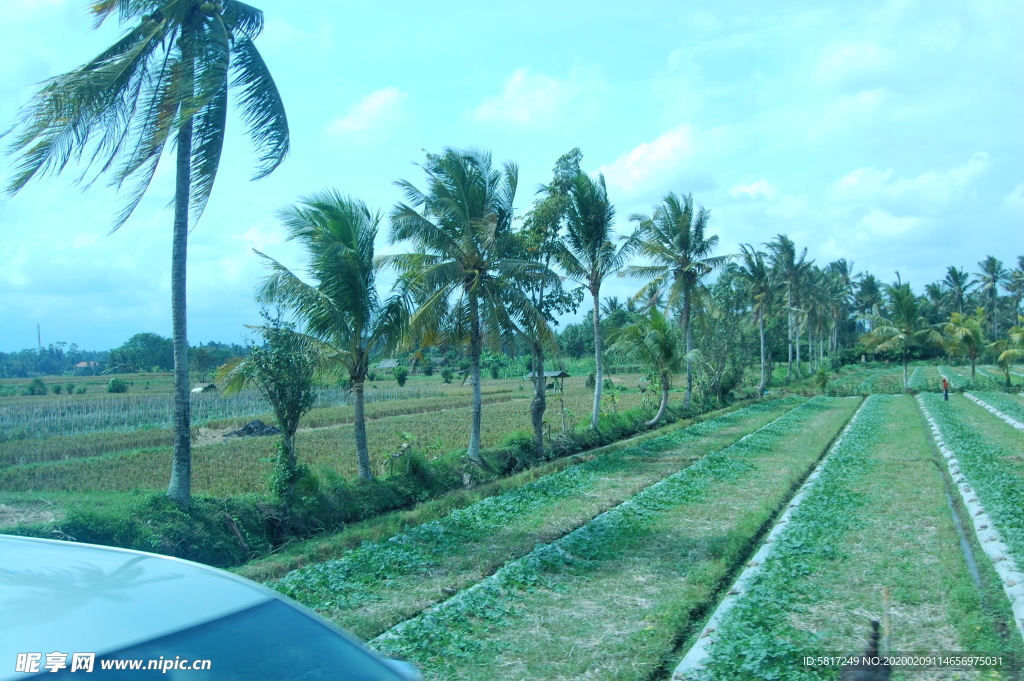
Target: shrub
[[428, 368], [117, 385], [400, 374], [57, 388], [372, 375], [80, 391], [591, 381], [70, 388], [447, 374], [36, 387]]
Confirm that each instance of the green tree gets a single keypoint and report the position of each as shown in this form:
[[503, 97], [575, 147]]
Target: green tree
[[903, 329], [992, 276], [166, 80], [588, 255], [959, 285], [759, 284], [674, 239], [282, 368], [654, 342], [460, 231], [791, 271], [347, 324], [964, 336], [401, 375]]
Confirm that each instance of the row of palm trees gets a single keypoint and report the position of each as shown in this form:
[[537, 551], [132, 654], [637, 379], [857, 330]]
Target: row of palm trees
[[904, 326]]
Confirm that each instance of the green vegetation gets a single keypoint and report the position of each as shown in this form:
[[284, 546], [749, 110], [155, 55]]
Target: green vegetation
[[642, 570], [425, 564], [876, 518]]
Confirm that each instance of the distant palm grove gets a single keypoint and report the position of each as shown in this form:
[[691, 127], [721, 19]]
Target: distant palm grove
[[477, 282]]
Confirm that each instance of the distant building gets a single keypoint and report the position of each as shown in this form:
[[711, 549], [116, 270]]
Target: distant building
[[87, 365], [205, 388]]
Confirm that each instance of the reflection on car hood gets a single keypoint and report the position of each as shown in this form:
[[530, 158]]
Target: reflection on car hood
[[67, 597]]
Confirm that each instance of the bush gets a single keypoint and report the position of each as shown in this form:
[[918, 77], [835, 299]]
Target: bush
[[57, 388], [36, 387], [447, 374], [117, 385], [400, 374], [70, 388], [80, 391], [428, 368], [371, 375]]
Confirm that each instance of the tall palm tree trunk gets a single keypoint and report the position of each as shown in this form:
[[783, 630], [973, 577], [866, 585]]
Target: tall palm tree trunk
[[599, 369], [906, 379], [359, 428], [664, 402], [688, 331], [764, 374], [789, 333], [797, 333], [475, 351], [179, 490], [539, 404]]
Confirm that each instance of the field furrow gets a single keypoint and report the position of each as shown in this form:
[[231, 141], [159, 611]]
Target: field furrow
[[877, 517], [380, 584], [610, 599]]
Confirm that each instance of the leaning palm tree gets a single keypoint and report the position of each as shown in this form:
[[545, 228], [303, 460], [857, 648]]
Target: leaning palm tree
[[588, 255], [674, 239], [166, 80], [903, 329], [760, 287], [654, 342], [346, 322], [457, 274], [992, 276]]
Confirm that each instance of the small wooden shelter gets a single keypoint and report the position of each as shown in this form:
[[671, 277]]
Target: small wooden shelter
[[205, 388], [556, 378]]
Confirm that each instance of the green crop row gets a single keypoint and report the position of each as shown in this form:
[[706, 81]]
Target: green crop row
[[987, 460], [461, 542], [465, 630]]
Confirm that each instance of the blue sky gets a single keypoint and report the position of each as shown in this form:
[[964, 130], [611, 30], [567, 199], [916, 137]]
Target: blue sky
[[889, 133]]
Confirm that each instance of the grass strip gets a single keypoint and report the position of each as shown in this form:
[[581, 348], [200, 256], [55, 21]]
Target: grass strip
[[988, 453], [1002, 402], [610, 599], [380, 584], [877, 516]]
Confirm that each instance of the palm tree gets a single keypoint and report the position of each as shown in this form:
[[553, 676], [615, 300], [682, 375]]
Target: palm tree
[[1010, 349], [904, 328], [992, 276], [588, 256], [346, 322], [674, 239], [960, 285], [166, 80], [760, 287], [460, 229], [791, 271], [652, 341], [964, 336]]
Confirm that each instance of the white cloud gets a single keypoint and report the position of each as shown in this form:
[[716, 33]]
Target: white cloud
[[374, 114], [754, 189], [930, 191], [532, 99], [881, 223], [854, 66], [1015, 199], [651, 160]]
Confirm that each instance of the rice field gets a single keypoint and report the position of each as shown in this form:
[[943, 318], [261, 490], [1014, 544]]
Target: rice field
[[609, 567]]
